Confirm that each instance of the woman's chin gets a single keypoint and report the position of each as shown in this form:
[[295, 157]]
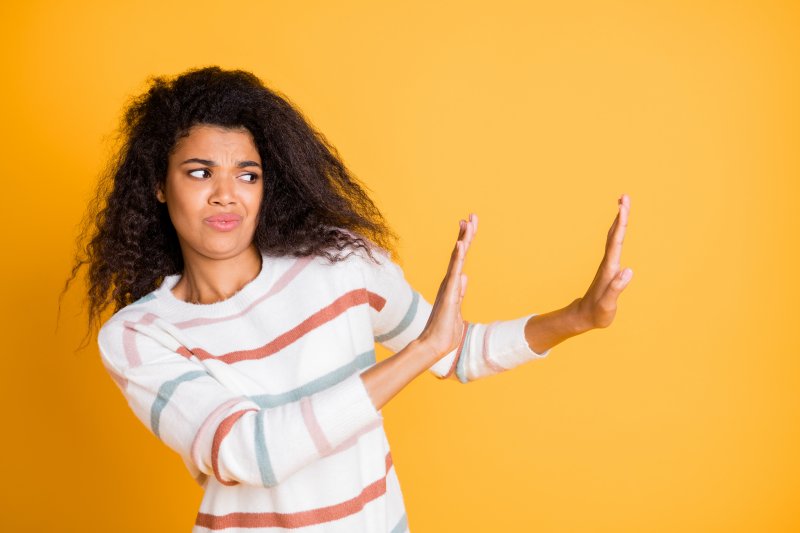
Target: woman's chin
[[222, 250]]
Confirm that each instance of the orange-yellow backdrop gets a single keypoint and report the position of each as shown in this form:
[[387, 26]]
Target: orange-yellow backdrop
[[682, 416]]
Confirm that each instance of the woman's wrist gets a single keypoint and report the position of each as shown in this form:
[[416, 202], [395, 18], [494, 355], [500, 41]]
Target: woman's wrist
[[425, 350], [577, 317], [388, 377], [546, 330]]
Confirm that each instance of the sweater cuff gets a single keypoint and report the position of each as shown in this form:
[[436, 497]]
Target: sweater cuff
[[508, 345], [343, 409], [443, 366]]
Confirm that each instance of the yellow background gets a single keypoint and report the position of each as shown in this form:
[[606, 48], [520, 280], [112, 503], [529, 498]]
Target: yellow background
[[682, 416]]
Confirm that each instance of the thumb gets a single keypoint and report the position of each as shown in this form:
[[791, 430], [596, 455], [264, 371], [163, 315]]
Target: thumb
[[616, 286], [621, 280]]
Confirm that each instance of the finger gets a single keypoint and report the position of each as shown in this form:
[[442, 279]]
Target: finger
[[462, 229], [473, 225], [452, 288], [456, 258], [626, 200], [468, 236], [612, 228], [474, 219], [617, 236], [464, 234], [471, 228], [610, 237], [617, 285], [453, 257]]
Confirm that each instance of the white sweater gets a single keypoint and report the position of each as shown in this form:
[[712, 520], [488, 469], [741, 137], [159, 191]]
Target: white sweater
[[261, 395]]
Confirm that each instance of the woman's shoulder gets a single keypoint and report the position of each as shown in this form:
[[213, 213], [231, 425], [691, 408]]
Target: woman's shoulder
[[377, 267], [140, 311], [367, 257]]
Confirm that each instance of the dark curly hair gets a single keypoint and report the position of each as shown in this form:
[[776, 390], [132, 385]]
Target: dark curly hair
[[312, 204]]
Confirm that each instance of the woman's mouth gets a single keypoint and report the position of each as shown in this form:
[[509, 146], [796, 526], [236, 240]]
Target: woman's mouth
[[223, 221]]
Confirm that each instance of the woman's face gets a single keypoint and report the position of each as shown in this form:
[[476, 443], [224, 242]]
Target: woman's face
[[213, 192]]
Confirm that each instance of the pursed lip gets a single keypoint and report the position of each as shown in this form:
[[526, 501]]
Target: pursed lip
[[224, 217], [223, 221]]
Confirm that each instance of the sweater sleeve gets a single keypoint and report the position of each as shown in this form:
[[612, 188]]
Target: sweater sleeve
[[215, 428], [484, 350]]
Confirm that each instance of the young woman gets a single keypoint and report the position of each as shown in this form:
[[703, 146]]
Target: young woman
[[251, 275]]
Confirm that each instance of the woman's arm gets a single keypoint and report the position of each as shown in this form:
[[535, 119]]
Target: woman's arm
[[478, 353], [543, 332], [216, 426]]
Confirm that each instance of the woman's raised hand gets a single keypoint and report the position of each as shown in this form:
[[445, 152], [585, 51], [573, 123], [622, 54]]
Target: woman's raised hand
[[445, 326], [599, 305]]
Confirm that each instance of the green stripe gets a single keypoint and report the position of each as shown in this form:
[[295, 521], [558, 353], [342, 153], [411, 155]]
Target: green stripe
[[273, 400], [146, 298], [409, 316], [262, 455], [165, 392], [363, 360], [461, 372], [402, 525]]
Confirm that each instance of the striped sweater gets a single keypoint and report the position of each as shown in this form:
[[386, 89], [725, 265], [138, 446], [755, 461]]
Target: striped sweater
[[261, 395]]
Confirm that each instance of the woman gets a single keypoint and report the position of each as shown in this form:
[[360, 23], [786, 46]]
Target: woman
[[251, 275]]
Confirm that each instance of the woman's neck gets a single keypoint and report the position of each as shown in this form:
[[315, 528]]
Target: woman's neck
[[207, 281]]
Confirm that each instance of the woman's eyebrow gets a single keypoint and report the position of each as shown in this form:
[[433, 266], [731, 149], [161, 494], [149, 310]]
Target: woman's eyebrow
[[207, 162]]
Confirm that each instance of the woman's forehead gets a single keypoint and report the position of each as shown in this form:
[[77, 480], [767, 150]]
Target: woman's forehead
[[213, 139]]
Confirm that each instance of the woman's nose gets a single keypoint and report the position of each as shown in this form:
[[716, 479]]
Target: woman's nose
[[222, 192]]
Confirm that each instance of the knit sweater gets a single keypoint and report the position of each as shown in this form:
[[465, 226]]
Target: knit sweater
[[261, 394]]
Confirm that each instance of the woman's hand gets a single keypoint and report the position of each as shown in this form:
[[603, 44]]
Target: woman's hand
[[442, 333], [599, 305]]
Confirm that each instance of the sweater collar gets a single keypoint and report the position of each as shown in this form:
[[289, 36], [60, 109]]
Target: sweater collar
[[240, 300]]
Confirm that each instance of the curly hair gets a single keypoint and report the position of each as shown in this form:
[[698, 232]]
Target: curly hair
[[312, 204]]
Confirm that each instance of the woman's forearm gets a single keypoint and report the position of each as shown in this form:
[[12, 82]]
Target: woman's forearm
[[385, 379], [548, 329]]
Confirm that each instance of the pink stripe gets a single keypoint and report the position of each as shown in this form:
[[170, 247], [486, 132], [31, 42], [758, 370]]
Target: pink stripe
[[491, 364], [207, 423], [219, 435], [352, 440], [320, 441], [279, 285], [307, 518], [118, 379], [129, 339], [326, 314]]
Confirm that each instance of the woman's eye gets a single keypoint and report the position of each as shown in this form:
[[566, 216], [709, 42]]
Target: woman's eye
[[250, 178], [192, 173]]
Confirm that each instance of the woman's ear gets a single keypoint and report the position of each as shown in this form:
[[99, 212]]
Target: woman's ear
[[160, 194]]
